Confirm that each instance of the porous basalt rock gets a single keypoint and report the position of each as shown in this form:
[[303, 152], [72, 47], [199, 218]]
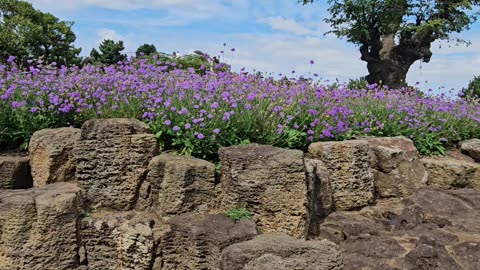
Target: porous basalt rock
[[471, 148], [319, 195], [195, 241], [178, 184], [270, 181], [449, 173], [348, 166], [398, 170], [38, 227], [431, 229], [118, 240], [51, 157], [112, 156], [15, 172], [281, 252]]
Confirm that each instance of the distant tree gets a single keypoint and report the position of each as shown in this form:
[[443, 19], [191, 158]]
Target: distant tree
[[394, 34], [110, 52], [94, 54], [28, 33], [146, 49], [473, 89]]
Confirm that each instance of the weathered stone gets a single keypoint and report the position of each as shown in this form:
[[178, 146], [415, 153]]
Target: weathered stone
[[428, 254], [467, 254], [319, 195], [471, 148], [38, 227], [431, 229], [196, 241], [118, 240], [51, 157], [448, 173], [178, 184], [112, 157], [281, 252], [270, 181], [398, 170], [15, 172], [350, 174]]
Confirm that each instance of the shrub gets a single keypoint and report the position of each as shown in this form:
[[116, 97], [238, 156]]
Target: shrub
[[473, 89], [238, 213]]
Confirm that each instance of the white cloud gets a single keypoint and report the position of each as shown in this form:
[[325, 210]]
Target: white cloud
[[105, 33], [178, 10], [286, 25]]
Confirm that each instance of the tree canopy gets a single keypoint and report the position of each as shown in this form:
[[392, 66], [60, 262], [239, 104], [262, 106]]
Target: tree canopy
[[473, 89], [110, 52], [146, 49], [393, 34], [28, 33]]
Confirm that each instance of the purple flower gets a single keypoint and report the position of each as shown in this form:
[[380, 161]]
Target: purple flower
[[183, 111], [312, 62], [226, 116], [176, 128], [188, 126], [200, 136], [168, 122], [216, 131]]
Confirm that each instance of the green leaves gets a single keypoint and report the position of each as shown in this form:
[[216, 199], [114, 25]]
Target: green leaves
[[27, 33], [110, 52], [473, 89], [365, 21], [238, 213], [146, 50]]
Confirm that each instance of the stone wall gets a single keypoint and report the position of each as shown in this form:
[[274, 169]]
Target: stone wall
[[105, 197]]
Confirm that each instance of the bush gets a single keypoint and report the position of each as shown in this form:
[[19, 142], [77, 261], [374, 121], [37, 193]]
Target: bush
[[360, 83], [473, 89], [238, 213]]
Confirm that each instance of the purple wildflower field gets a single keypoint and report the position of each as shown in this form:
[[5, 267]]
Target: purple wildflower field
[[198, 113]]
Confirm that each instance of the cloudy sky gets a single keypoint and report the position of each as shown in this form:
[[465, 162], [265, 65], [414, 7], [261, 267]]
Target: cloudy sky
[[275, 36]]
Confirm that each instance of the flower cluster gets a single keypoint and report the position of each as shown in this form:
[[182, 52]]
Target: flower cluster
[[198, 113]]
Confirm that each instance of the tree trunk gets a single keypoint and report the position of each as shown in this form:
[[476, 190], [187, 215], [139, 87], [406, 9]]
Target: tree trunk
[[388, 63], [390, 72]]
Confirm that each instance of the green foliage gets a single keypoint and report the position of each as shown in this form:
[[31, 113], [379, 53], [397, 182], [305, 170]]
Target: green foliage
[[359, 83], [238, 213], [473, 89], [198, 62], [364, 21], [146, 50], [18, 125], [110, 52], [27, 33]]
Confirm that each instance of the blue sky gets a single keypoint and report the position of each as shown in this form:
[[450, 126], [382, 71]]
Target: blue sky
[[275, 36]]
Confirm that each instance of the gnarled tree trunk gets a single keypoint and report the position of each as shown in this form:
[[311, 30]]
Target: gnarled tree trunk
[[388, 63]]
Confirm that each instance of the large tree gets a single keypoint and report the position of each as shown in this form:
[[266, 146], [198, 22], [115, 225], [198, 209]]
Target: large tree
[[394, 34], [27, 33], [146, 49], [110, 52]]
